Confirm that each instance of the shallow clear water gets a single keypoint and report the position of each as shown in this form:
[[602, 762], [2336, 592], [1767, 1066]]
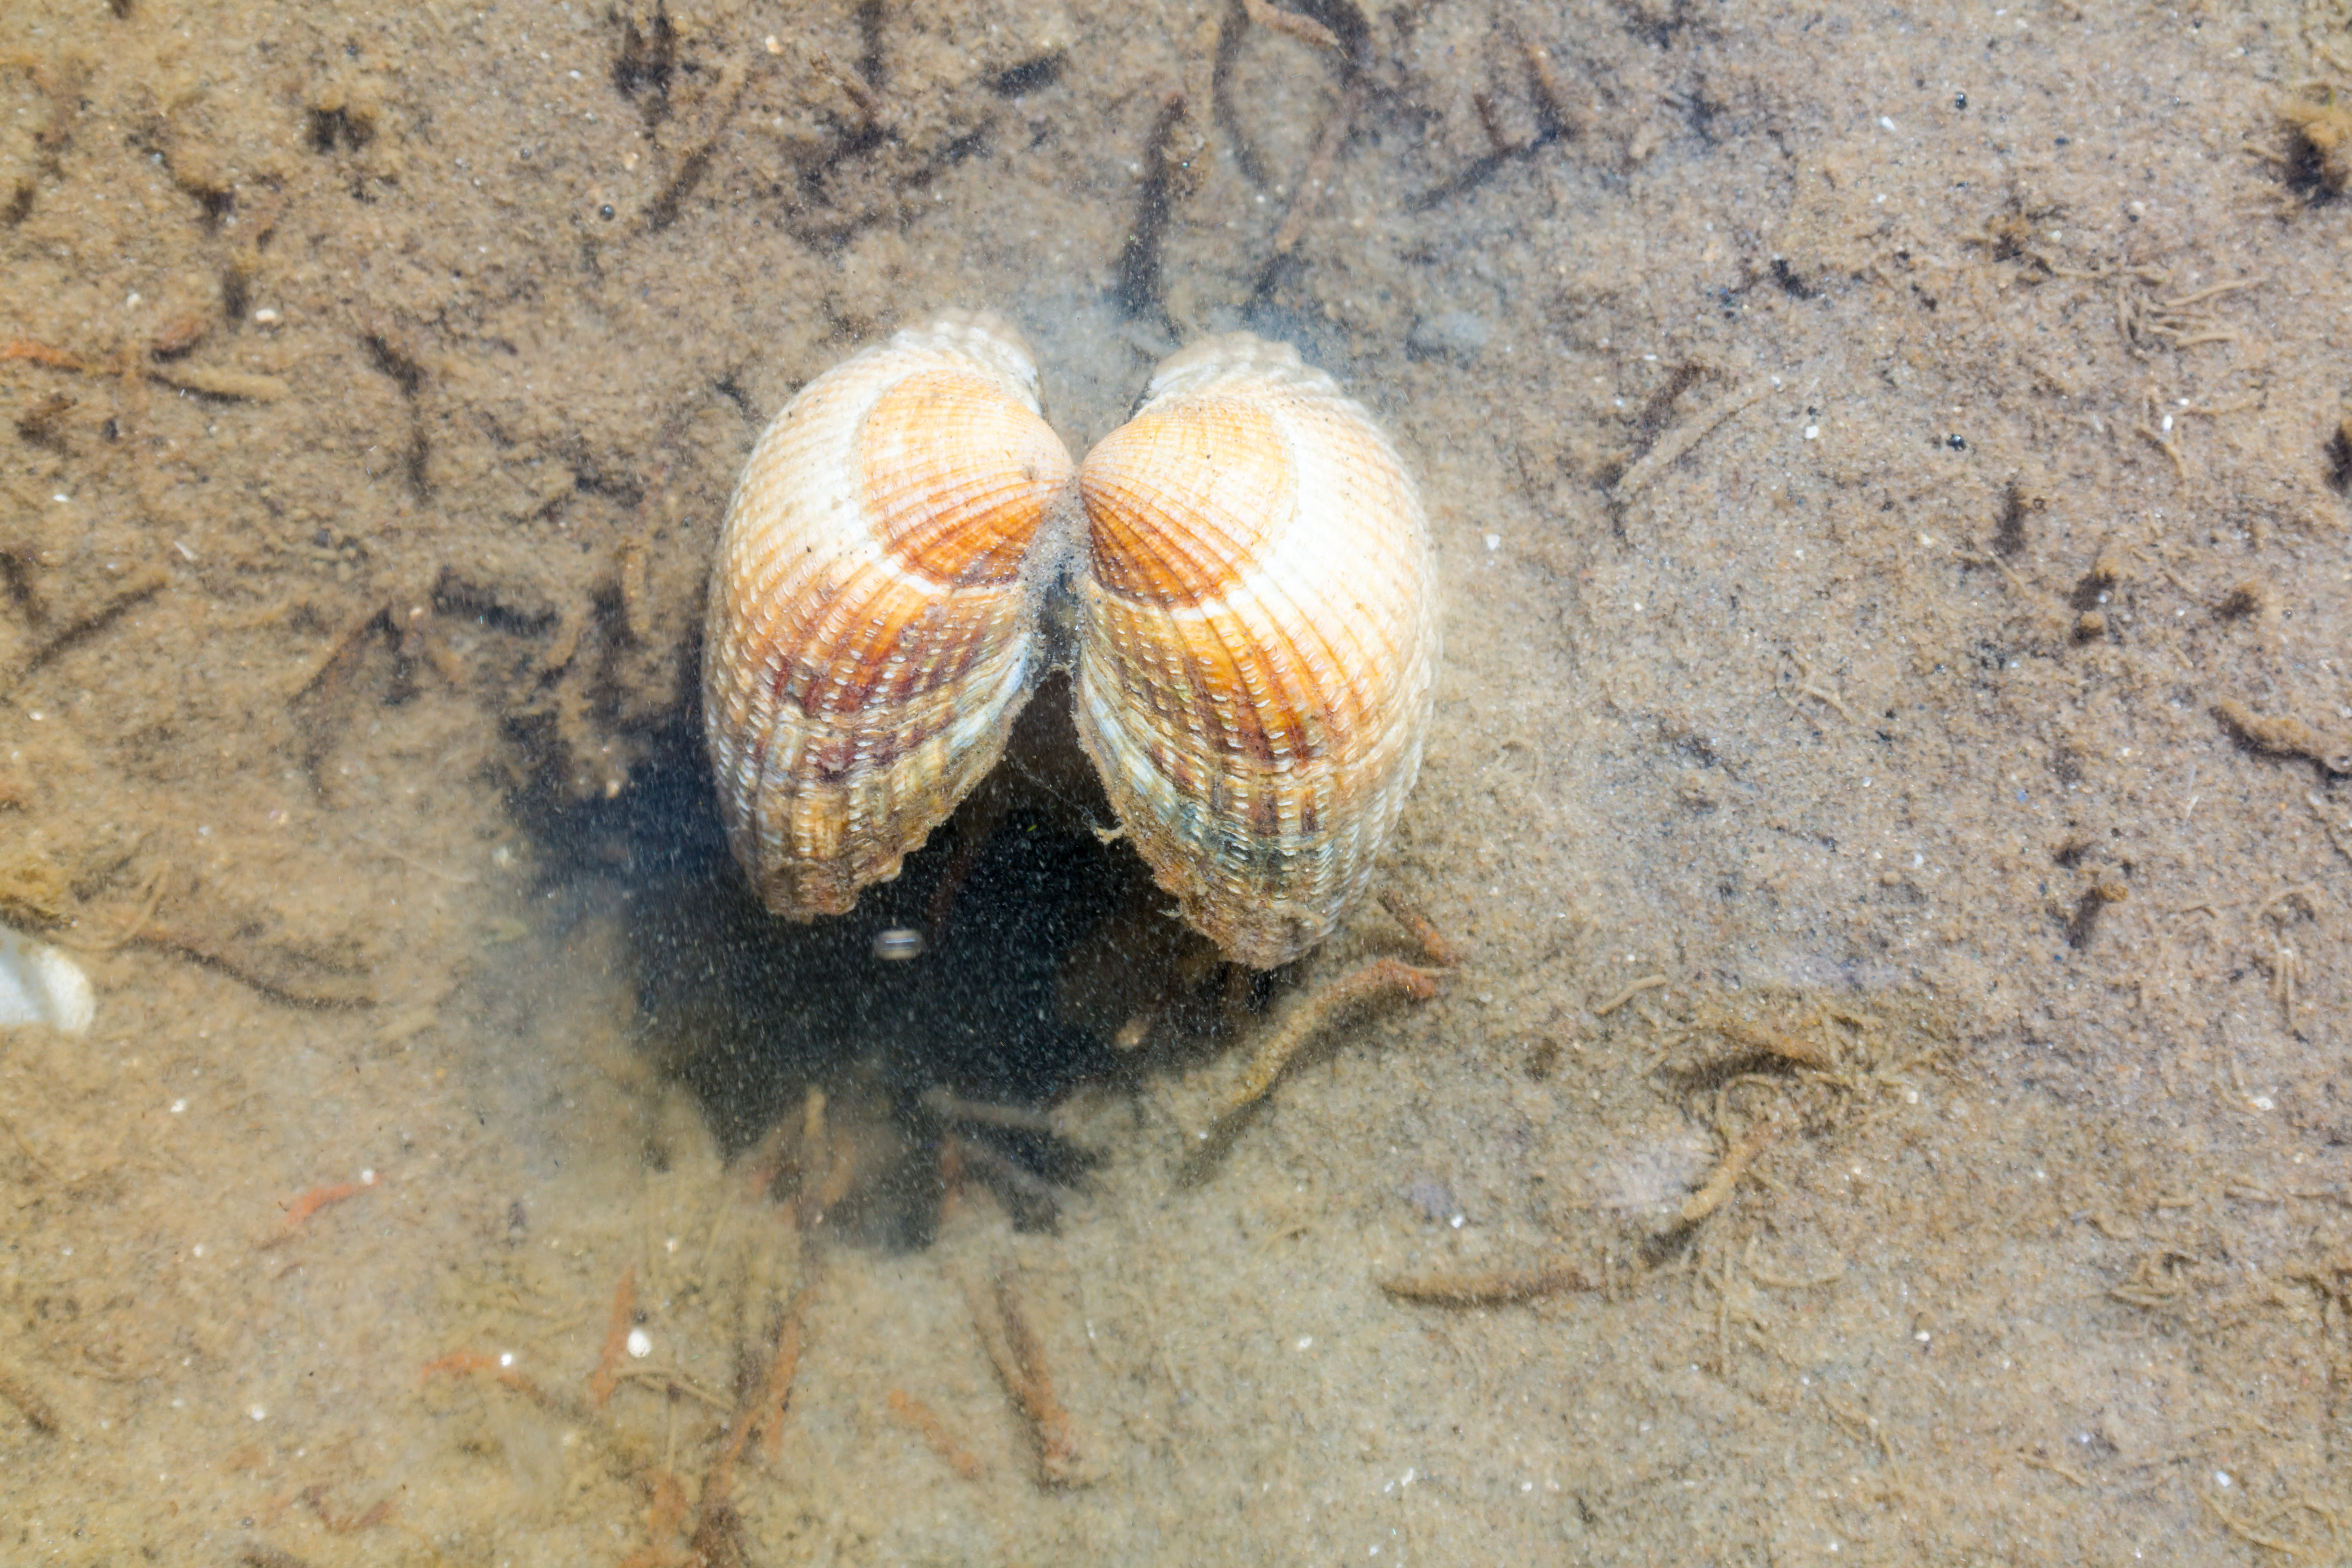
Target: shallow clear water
[[1886, 487]]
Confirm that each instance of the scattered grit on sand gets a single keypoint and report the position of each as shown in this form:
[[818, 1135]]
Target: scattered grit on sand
[[1890, 478]]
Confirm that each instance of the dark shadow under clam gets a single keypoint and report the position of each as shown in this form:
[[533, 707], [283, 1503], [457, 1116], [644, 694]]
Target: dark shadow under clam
[[1019, 904]]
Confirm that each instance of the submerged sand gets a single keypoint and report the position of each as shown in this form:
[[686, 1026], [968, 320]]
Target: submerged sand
[[1889, 480]]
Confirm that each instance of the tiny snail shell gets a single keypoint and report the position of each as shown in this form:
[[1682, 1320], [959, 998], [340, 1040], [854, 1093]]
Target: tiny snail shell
[[1257, 624], [1257, 641], [872, 631]]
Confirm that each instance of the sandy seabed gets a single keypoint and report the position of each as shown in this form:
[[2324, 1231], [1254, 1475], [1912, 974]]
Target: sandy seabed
[[1892, 491]]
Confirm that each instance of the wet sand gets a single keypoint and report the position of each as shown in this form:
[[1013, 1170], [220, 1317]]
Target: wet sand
[[1889, 477]]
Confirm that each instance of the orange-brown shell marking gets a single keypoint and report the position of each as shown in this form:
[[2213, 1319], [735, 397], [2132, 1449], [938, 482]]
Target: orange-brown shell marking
[[1257, 641], [872, 630]]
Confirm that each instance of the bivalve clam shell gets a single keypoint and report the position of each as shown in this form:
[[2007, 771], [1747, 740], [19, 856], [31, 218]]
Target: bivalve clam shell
[[1256, 630], [1258, 641], [872, 630]]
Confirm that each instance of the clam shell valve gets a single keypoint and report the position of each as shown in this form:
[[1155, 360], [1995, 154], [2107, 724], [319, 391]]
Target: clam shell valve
[[1256, 632]]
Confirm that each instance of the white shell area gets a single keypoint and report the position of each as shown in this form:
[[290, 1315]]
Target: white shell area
[[39, 984]]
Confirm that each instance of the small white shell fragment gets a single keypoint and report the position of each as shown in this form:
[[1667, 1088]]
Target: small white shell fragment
[[641, 1344], [39, 984], [898, 944]]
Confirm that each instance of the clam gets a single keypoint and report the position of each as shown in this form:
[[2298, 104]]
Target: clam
[[1256, 632], [1257, 640], [873, 630]]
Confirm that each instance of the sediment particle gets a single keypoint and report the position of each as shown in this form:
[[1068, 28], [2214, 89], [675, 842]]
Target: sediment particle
[[38, 1411], [2320, 142], [1486, 1287], [1717, 1189], [2285, 735], [1020, 1360], [1274, 1053]]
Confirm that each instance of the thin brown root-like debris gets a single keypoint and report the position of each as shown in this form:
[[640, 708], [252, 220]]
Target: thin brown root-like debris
[[1422, 930], [1019, 1361], [1627, 993], [261, 1555], [1671, 448], [2285, 735], [717, 1526], [1373, 980], [606, 1375], [1291, 25], [1791, 1045], [1487, 1287], [1308, 194], [209, 380], [925, 1422], [38, 1411], [947, 1107], [776, 1391], [827, 1167], [1552, 95], [274, 971], [458, 1362], [1737, 1161]]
